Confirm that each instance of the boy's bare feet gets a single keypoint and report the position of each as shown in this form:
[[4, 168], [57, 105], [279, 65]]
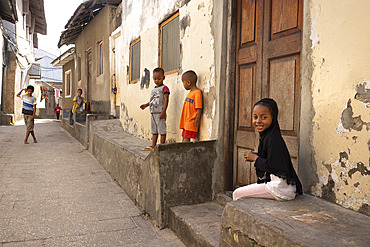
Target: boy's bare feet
[[26, 142], [34, 140]]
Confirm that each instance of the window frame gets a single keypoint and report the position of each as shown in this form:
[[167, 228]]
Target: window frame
[[100, 70], [131, 45], [161, 25], [68, 73]]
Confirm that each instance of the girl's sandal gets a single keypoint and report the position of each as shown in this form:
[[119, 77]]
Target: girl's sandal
[[149, 148]]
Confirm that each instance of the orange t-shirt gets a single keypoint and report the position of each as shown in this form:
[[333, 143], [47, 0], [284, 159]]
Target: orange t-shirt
[[192, 102]]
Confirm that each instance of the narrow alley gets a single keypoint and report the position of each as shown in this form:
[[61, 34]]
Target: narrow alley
[[54, 193]]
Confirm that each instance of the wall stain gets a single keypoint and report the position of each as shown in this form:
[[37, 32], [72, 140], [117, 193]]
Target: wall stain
[[364, 209], [363, 93], [328, 190], [185, 23], [348, 121], [145, 79], [328, 167], [343, 157], [360, 168], [346, 118], [128, 74]]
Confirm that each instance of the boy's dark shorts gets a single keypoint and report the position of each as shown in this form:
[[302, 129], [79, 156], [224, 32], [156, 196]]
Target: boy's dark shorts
[[28, 122]]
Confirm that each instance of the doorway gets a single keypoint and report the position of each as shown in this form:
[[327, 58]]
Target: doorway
[[268, 59], [117, 63], [88, 74]]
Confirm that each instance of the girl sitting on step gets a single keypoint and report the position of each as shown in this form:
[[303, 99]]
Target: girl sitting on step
[[276, 176]]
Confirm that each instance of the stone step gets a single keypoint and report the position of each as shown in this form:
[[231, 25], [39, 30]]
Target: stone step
[[306, 221], [198, 225]]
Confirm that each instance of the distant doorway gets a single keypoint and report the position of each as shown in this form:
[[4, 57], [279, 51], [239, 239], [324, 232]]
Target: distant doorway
[[88, 74], [117, 68]]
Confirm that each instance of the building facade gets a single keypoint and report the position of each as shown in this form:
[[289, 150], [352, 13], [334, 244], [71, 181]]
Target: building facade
[[92, 54], [21, 38], [242, 51], [310, 59]]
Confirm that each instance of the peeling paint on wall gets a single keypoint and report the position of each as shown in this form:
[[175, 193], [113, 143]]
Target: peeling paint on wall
[[341, 146], [314, 35], [348, 121], [363, 93], [344, 181], [360, 168], [197, 52]]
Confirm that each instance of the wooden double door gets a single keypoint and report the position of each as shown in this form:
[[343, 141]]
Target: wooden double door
[[268, 58]]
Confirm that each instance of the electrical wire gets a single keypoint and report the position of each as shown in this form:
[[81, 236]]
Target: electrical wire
[[17, 35], [14, 48]]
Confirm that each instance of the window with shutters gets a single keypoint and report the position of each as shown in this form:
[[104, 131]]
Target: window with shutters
[[169, 54], [135, 55]]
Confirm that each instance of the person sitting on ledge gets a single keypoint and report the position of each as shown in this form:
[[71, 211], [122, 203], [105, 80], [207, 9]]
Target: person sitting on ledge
[[276, 176]]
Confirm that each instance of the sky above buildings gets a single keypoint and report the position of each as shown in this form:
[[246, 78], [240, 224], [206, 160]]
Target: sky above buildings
[[57, 15]]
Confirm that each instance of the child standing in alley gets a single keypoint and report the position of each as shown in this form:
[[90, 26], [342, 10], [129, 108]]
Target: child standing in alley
[[276, 176], [192, 108], [158, 104], [28, 110]]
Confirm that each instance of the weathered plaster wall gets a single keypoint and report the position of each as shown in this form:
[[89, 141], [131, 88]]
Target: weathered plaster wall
[[197, 53], [25, 58], [99, 29], [340, 61]]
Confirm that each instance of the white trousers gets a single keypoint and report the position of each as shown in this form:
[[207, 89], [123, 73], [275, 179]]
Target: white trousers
[[252, 191]]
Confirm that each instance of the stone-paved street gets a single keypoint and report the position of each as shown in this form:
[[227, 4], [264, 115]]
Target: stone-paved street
[[54, 193]]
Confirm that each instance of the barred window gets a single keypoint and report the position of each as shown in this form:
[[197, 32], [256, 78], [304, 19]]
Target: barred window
[[170, 44], [135, 55]]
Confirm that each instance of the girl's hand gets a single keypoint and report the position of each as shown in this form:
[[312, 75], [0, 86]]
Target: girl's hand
[[162, 115], [250, 156]]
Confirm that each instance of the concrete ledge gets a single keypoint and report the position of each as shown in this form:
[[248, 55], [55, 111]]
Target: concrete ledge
[[6, 119], [171, 175], [80, 128], [197, 225], [305, 221], [80, 133]]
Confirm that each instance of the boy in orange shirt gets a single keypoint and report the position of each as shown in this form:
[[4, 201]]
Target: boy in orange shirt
[[192, 109]]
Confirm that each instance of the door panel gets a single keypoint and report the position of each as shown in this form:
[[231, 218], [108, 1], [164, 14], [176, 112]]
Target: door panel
[[248, 15], [246, 82], [268, 55], [285, 17], [282, 88], [248, 86]]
